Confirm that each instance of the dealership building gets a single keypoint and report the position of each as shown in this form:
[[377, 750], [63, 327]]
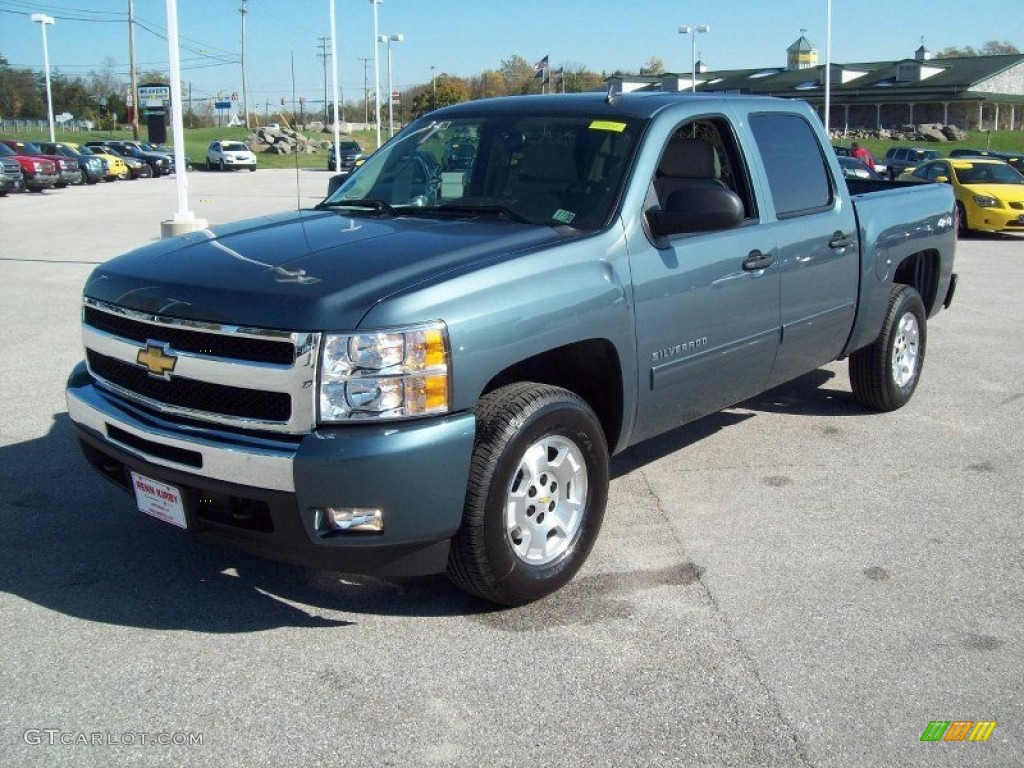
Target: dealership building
[[973, 93]]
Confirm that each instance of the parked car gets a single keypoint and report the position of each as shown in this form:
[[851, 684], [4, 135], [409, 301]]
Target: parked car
[[989, 193], [92, 168], [1016, 160], [117, 168], [351, 155], [39, 172], [67, 167], [11, 177], [155, 163], [900, 159], [229, 154], [854, 168], [163, 149]]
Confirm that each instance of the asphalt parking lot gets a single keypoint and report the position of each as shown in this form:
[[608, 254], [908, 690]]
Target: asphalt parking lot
[[792, 582]]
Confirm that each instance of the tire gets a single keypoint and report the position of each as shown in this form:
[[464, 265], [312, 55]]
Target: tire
[[125, 174], [534, 443], [146, 172], [962, 230], [253, 169], [885, 374], [209, 164], [221, 166]]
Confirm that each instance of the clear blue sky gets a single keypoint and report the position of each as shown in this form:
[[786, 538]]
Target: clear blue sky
[[464, 37]]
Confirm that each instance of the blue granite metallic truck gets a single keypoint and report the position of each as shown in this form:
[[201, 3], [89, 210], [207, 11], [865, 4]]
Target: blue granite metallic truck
[[429, 371]]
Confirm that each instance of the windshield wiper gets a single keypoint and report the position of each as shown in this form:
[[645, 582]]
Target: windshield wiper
[[372, 204], [502, 211]]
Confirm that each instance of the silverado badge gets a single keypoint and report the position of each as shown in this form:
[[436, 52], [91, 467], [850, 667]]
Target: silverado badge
[[156, 360]]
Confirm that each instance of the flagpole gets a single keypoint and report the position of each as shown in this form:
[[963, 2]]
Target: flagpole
[[828, 66]]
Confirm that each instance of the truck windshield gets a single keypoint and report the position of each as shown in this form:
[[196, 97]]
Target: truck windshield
[[539, 168]]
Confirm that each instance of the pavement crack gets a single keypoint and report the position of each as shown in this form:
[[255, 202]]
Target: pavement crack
[[717, 609]]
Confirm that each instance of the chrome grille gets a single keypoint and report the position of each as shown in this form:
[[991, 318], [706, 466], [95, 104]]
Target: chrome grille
[[246, 378]]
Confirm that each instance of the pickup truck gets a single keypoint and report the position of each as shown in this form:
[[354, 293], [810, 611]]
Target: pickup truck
[[429, 370]]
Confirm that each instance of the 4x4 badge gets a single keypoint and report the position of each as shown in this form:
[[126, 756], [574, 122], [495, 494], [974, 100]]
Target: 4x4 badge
[[156, 360]]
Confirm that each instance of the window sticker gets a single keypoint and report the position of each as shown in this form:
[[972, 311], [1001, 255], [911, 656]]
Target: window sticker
[[563, 216], [607, 125]]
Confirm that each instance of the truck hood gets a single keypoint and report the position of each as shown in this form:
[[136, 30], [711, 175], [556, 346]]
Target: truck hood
[[304, 270]]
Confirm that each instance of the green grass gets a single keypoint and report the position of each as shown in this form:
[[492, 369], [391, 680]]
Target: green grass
[[198, 139], [1002, 141]]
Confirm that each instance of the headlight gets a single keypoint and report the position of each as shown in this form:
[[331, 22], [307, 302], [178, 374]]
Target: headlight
[[986, 201], [389, 374]]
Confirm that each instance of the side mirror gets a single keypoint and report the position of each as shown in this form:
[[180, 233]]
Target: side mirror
[[335, 182], [704, 208], [942, 179]]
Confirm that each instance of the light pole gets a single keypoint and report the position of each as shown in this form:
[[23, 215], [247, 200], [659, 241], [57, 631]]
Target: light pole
[[391, 95], [433, 88], [376, 69], [42, 19], [693, 31]]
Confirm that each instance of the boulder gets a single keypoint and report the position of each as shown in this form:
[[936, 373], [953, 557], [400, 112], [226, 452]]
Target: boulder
[[279, 148], [953, 133], [930, 133]]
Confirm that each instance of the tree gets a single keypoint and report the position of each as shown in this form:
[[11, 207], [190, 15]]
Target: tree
[[654, 66], [517, 73], [444, 91], [990, 48]]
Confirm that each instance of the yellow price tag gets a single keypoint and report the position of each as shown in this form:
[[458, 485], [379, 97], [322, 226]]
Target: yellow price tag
[[607, 125]]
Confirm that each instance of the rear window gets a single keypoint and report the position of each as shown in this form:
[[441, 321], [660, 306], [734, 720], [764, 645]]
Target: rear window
[[798, 176]]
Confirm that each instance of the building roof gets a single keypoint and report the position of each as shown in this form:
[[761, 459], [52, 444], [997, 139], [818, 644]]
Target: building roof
[[990, 77], [802, 45]]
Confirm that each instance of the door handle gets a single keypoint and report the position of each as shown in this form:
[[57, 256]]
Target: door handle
[[757, 260], [840, 240]]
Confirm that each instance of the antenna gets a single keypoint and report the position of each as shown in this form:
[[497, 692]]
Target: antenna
[[298, 198]]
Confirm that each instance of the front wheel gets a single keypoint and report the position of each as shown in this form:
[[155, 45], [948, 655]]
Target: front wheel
[[885, 374], [146, 172], [538, 486], [962, 230]]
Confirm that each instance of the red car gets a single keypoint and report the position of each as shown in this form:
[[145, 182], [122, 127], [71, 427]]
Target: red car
[[67, 167], [39, 172]]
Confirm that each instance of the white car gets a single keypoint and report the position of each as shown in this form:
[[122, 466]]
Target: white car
[[229, 154]]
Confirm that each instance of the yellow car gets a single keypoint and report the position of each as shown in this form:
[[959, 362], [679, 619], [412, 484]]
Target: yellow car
[[116, 169], [989, 193]]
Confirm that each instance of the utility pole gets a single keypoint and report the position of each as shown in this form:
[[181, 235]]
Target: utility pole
[[134, 76], [324, 54], [245, 87], [366, 91]]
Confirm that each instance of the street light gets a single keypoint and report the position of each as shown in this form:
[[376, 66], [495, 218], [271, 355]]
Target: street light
[[391, 94], [376, 69], [692, 31], [42, 19]]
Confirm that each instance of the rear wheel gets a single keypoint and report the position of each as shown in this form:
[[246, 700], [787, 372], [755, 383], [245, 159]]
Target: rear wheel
[[885, 374], [537, 492], [146, 172]]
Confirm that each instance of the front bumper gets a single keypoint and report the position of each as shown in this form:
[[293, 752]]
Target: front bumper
[[262, 494], [998, 219], [42, 180]]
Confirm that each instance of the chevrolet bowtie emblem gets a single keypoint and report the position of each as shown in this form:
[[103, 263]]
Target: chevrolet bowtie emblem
[[156, 360]]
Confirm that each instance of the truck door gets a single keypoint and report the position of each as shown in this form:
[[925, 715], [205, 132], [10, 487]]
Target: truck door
[[707, 304], [818, 248]]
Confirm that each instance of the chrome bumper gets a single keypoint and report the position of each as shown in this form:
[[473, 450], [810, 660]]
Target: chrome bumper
[[268, 465]]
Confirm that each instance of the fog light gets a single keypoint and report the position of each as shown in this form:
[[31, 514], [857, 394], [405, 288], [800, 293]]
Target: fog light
[[352, 518]]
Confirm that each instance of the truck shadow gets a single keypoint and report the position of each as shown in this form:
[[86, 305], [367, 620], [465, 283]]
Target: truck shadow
[[805, 396], [73, 543]]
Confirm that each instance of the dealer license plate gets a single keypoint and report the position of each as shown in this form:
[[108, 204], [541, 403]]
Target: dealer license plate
[[160, 500]]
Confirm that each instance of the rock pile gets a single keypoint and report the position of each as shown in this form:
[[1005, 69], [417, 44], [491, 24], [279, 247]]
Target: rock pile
[[284, 141], [906, 133]]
